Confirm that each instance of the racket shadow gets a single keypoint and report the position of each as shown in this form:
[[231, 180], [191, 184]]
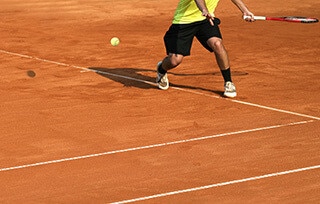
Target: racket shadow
[[143, 78]]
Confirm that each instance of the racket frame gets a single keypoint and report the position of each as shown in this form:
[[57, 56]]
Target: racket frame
[[294, 19]]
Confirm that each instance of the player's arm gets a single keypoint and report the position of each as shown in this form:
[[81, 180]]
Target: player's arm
[[203, 8], [243, 8]]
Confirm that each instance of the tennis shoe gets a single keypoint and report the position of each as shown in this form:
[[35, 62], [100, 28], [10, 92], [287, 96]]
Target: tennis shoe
[[162, 79], [229, 90]]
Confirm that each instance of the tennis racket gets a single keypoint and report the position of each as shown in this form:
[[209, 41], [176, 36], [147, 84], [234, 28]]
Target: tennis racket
[[293, 19]]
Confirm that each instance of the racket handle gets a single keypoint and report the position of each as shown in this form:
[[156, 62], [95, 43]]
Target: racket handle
[[256, 17]]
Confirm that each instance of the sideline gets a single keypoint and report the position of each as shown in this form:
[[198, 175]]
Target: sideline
[[153, 146], [83, 69], [218, 184]]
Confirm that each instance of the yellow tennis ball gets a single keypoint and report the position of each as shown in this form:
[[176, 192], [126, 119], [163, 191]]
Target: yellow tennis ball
[[114, 41]]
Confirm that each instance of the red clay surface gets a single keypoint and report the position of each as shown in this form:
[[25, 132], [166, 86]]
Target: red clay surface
[[66, 111]]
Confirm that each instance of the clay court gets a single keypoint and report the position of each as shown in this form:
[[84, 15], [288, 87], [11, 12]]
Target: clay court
[[83, 121]]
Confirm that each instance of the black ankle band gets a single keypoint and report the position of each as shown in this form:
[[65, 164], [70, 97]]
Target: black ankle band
[[161, 70], [226, 75]]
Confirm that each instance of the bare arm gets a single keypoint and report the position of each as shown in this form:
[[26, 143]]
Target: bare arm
[[243, 8], [201, 5], [203, 8], [239, 3]]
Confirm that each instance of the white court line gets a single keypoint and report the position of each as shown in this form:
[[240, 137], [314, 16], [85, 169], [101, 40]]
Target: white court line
[[154, 146], [151, 83], [83, 69], [217, 185], [252, 104]]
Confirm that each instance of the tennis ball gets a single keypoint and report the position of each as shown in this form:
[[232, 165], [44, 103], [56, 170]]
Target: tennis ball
[[114, 41]]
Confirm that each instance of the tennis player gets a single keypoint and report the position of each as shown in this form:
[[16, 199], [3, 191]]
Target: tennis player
[[195, 18]]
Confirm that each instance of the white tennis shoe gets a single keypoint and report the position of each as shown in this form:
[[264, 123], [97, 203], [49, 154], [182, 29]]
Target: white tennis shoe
[[229, 90], [162, 79]]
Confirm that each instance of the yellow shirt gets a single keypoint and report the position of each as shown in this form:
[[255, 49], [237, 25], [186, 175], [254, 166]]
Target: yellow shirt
[[188, 12]]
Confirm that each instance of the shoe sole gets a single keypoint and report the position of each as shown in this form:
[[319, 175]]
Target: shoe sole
[[230, 95], [163, 87]]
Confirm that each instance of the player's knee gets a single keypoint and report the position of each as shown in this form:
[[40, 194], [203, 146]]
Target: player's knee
[[216, 45], [175, 60]]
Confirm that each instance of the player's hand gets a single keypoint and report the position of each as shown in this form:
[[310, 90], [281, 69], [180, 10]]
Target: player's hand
[[250, 17], [209, 17]]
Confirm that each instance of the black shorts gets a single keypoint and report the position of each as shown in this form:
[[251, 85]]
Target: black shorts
[[178, 39]]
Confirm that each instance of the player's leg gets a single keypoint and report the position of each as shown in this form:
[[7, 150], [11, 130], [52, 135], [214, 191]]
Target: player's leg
[[169, 62], [222, 59], [220, 52], [211, 38], [178, 41]]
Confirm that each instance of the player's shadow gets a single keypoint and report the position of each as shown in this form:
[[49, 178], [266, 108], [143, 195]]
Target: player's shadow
[[129, 77], [144, 78]]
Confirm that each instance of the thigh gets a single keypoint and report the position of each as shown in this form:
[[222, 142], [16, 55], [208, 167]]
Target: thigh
[[178, 39], [208, 31]]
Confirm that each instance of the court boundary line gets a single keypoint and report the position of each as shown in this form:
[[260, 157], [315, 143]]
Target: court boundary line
[[153, 146], [84, 69], [281, 173]]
